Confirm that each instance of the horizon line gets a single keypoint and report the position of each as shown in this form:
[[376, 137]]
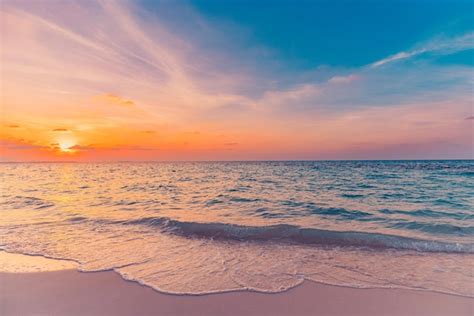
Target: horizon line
[[249, 160]]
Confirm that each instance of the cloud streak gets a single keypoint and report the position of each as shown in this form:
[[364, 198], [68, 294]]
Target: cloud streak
[[440, 46]]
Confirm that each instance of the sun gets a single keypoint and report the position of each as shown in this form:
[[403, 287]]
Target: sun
[[65, 145]]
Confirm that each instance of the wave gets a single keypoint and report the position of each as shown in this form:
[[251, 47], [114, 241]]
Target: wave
[[352, 196], [21, 202], [299, 235], [338, 211], [430, 214], [441, 228]]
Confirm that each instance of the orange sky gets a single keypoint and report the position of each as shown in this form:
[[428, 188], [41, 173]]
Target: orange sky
[[101, 82]]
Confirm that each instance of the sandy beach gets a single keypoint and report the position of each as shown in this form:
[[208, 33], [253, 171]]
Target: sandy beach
[[70, 292]]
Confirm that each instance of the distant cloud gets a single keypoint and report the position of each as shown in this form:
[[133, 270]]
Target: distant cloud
[[148, 132], [469, 118], [82, 147], [13, 126], [61, 130], [231, 144], [19, 145], [294, 95], [116, 100], [343, 79]]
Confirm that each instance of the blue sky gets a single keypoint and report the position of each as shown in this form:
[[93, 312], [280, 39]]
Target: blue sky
[[288, 43], [308, 34]]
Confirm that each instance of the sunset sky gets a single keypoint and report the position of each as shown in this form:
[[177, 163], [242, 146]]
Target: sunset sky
[[236, 80]]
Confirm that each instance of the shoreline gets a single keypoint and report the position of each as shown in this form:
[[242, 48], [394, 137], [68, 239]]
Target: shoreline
[[70, 292], [24, 263]]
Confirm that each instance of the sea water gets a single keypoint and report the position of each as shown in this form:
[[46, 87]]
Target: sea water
[[205, 227]]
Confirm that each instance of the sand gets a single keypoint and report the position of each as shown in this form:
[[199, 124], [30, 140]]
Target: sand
[[70, 292]]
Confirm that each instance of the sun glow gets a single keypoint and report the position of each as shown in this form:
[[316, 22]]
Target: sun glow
[[65, 145]]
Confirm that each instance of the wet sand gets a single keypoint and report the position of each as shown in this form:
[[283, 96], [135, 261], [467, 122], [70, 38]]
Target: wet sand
[[70, 292]]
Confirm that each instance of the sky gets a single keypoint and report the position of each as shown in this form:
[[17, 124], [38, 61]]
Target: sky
[[236, 80]]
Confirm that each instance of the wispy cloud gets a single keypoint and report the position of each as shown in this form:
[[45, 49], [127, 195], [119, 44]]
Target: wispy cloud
[[440, 45]]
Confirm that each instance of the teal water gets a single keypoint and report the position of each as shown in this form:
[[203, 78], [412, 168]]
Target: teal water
[[219, 226]]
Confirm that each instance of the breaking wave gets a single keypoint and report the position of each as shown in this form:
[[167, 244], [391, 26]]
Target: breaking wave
[[300, 235]]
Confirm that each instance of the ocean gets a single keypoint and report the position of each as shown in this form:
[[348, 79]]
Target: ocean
[[207, 227]]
